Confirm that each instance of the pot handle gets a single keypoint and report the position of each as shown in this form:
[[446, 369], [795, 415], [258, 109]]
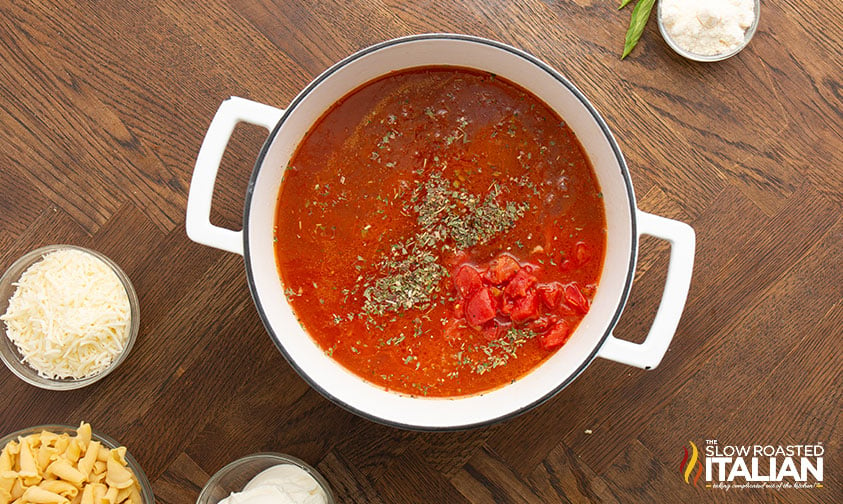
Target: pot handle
[[648, 355], [198, 218]]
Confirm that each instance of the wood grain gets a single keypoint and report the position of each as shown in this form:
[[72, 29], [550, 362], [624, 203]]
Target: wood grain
[[104, 106]]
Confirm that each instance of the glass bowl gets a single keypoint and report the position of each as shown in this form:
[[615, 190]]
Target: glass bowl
[[10, 354], [146, 489], [713, 57], [234, 476]]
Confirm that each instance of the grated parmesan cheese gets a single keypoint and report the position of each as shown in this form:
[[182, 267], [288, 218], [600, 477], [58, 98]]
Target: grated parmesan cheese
[[69, 316], [710, 27]]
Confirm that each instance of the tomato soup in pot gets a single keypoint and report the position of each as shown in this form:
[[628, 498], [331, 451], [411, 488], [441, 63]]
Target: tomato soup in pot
[[453, 267], [440, 231]]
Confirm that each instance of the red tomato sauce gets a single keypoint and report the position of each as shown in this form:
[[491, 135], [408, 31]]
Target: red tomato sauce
[[440, 232]]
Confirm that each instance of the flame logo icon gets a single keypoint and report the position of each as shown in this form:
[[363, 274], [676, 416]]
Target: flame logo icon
[[686, 467]]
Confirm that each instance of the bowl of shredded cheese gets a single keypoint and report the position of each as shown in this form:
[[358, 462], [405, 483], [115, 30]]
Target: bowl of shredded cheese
[[708, 31], [68, 317]]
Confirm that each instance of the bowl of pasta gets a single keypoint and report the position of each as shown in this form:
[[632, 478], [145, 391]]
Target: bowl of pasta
[[60, 464]]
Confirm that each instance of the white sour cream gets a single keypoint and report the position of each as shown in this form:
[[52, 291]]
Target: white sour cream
[[281, 484]]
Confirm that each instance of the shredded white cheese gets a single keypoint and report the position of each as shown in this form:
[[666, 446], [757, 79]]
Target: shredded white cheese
[[707, 27], [69, 316]]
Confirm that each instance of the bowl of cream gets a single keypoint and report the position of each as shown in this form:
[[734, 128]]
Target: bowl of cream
[[712, 30], [266, 478]]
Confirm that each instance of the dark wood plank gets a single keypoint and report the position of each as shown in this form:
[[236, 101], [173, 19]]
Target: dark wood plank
[[311, 428], [168, 347], [347, 483], [371, 447], [233, 431], [639, 476], [448, 452], [181, 482], [563, 476], [16, 213], [486, 479], [409, 479], [74, 138], [188, 397]]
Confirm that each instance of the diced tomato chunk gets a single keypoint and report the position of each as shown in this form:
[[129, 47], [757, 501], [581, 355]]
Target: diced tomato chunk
[[556, 336], [490, 331], [506, 305], [574, 297], [525, 307], [458, 258], [467, 281], [493, 329], [497, 295], [567, 265], [563, 309], [502, 269], [582, 252], [451, 329], [480, 308], [493, 298], [520, 282], [550, 294], [540, 325]]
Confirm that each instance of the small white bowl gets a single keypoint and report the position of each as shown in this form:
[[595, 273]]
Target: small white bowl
[[713, 57], [235, 476], [9, 353]]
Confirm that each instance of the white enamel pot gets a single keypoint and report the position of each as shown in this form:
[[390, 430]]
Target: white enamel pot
[[593, 338]]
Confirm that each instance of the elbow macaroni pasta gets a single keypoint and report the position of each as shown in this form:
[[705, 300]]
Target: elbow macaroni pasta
[[50, 468]]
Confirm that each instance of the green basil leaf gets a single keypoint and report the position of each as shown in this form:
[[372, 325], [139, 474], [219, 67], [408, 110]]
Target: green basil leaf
[[624, 3], [640, 15]]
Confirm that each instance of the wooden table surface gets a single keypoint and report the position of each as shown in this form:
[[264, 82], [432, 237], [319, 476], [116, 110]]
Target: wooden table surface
[[103, 106]]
